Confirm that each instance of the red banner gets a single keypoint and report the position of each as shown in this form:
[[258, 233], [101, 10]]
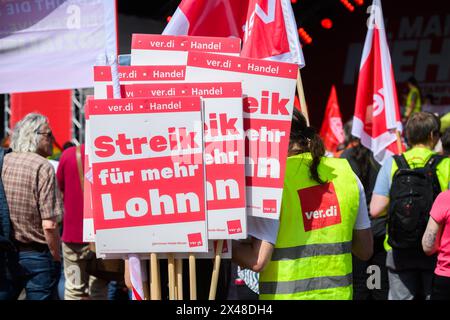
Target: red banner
[[55, 105]]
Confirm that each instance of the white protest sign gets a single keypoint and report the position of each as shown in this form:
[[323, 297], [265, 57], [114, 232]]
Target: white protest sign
[[269, 90], [148, 173], [224, 150], [156, 49]]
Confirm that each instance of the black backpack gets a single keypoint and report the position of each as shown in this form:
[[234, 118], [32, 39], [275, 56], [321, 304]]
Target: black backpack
[[412, 194]]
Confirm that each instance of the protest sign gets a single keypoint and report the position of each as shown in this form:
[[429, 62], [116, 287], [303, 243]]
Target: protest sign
[[224, 150], [156, 49], [135, 74], [141, 150], [103, 79], [269, 89]]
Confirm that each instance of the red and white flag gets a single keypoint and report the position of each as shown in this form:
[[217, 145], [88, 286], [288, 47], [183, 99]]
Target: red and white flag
[[136, 277], [377, 116], [332, 132], [267, 27]]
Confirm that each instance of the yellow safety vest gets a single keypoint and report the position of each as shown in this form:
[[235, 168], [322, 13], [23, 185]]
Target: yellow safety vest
[[418, 158], [312, 256], [418, 105]]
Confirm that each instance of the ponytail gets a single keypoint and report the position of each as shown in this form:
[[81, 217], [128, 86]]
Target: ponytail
[[305, 139], [317, 150]]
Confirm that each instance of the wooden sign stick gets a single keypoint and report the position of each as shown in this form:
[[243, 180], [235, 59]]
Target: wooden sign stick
[[145, 286], [216, 269], [192, 277], [155, 282], [179, 270], [171, 274]]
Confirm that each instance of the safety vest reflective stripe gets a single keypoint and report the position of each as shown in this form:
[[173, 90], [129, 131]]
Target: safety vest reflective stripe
[[311, 250], [289, 287]]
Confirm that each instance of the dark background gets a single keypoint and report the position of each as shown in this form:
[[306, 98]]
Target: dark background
[[334, 55]]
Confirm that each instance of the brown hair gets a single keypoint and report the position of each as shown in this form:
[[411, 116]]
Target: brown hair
[[305, 139], [420, 126]]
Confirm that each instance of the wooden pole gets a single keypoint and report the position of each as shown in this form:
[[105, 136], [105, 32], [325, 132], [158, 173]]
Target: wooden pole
[[399, 142], [301, 96], [179, 269], [171, 274], [192, 278], [155, 283], [216, 269], [145, 285]]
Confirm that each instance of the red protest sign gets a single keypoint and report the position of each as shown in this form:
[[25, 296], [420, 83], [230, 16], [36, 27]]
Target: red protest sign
[[134, 74], [269, 90], [141, 149], [224, 150], [146, 49]]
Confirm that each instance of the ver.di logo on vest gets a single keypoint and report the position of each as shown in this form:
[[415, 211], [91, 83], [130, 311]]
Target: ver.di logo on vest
[[320, 207]]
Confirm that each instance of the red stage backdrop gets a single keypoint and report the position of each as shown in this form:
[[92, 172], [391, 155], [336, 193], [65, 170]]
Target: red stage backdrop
[[55, 105]]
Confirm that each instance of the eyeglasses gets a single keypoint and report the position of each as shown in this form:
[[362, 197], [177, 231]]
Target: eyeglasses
[[47, 134]]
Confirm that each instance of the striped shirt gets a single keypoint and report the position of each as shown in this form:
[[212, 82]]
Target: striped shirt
[[32, 194]]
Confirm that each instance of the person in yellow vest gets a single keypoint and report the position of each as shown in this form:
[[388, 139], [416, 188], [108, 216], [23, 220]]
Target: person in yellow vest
[[307, 253], [410, 271], [413, 99]]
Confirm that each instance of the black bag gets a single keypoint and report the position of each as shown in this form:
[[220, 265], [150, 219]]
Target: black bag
[[412, 194]]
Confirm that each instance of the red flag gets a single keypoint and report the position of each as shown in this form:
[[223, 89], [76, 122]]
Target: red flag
[[377, 116], [332, 131], [136, 277], [267, 27]]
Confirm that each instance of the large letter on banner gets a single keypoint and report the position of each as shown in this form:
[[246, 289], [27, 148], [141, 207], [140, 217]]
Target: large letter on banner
[[269, 89], [57, 42], [147, 163], [267, 27]]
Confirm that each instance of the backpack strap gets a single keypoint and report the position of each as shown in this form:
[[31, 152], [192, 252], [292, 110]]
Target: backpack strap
[[432, 164], [401, 162], [434, 161]]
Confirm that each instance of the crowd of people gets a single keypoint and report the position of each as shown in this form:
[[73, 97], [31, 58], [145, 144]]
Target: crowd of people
[[345, 221]]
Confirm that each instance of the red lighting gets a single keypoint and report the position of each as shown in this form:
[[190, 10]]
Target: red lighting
[[359, 2], [304, 36], [168, 18], [327, 23], [348, 5], [293, 1]]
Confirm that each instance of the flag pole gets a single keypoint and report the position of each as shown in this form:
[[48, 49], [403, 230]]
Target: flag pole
[[192, 277], [216, 269], [301, 96], [399, 142]]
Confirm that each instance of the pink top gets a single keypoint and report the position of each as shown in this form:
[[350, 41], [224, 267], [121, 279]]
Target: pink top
[[69, 184], [441, 214]]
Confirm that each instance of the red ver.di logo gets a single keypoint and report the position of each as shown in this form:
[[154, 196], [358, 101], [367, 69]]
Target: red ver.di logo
[[195, 240], [269, 206], [320, 206], [234, 226]]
